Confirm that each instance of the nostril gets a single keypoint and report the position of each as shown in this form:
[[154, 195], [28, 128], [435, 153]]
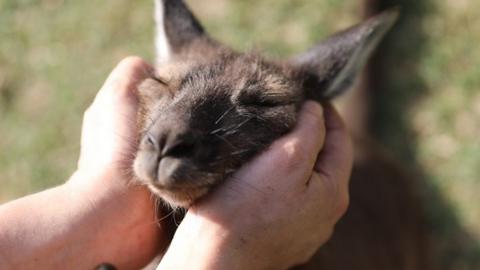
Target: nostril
[[150, 140], [150, 143], [183, 148]]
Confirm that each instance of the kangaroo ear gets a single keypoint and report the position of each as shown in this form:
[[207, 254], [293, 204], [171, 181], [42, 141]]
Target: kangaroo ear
[[331, 67], [177, 29]]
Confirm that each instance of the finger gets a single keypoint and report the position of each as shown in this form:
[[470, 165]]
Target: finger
[[118, 96], [123, 80], [306, 140], [115, 106], [335, 160], [298, 150], [290, 157]]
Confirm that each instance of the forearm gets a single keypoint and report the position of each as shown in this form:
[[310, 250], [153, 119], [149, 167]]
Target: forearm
[[68, 228], [36, 230], [182, 254]]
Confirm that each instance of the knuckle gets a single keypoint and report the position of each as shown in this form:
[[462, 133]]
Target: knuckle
[[132, 62], [294, 154], [327, 235], [122, 92], [338, 199], [342, 205], [130, 72], [315, 242]]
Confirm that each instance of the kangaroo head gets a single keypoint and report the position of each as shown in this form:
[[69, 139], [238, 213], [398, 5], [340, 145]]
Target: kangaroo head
[[208, 109]]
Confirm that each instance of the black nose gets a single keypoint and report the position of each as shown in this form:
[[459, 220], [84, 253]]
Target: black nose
[[179, 145]]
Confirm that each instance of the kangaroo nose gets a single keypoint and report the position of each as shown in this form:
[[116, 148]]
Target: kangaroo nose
[[171, 168], [179, 145]]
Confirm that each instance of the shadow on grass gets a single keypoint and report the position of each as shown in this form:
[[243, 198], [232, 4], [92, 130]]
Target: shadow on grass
[[398, 86]]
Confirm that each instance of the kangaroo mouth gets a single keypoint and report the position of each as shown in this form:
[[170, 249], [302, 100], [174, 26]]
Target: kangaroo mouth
[[180, 196], [178, 181]]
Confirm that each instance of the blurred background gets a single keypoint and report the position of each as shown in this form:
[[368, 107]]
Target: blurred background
[[425, 85]]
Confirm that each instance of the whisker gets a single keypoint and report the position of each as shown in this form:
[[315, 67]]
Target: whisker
[[164, 217], [244, 122], [233, 129], [224, 114], [175, 219], [233, 154], [214, 132], [226, 141]]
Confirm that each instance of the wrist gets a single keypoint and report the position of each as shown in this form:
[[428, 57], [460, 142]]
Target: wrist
[[121, 216], [110, 198], [194, 244], [207, 244]]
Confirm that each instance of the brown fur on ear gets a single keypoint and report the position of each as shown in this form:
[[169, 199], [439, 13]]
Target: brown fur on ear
[[331, 67]]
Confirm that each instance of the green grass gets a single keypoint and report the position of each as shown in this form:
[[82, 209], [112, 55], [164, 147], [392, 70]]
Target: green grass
[[55, 54]]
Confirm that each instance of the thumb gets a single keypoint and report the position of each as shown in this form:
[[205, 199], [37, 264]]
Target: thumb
[[335, 160], [121, 84]]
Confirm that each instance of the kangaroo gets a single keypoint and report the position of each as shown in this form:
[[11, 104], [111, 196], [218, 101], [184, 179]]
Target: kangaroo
[[208, 110]]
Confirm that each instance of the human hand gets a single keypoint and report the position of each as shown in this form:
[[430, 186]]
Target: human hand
[[278, 209], [108, 144], [99, 215], [108, 140]]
